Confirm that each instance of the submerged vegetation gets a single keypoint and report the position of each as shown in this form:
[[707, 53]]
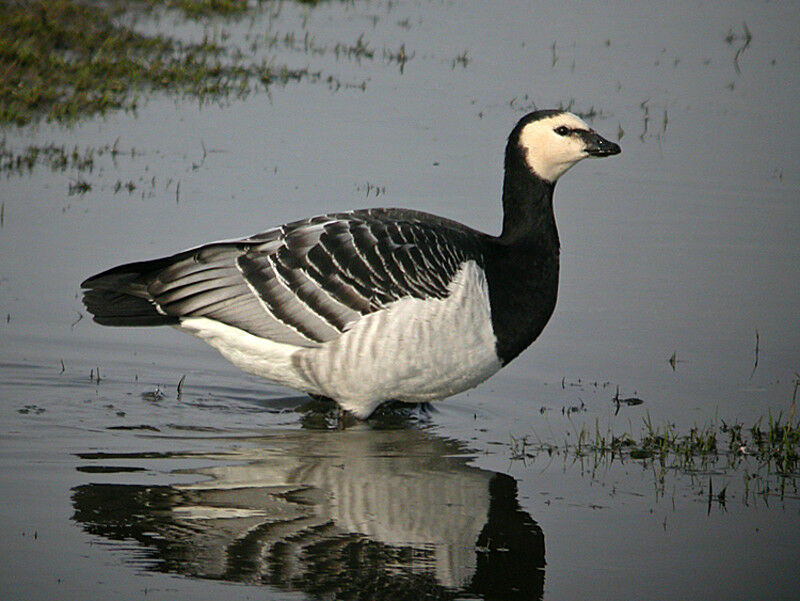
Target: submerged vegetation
[[61, 59], [766, 455], [56, 157]]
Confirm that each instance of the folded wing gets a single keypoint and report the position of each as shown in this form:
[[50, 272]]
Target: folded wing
[[302, 284]]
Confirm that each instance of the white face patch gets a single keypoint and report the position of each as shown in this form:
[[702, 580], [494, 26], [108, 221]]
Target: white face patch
[[549, 154]]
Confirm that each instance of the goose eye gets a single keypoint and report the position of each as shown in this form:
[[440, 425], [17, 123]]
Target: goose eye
[[562, 130]]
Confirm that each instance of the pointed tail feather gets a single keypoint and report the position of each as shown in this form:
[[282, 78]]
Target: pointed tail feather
[[119, 296]]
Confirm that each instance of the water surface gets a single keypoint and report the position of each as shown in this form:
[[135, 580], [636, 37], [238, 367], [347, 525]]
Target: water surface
[[685, 244]]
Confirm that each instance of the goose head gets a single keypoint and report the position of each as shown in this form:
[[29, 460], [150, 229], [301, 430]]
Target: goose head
[[552, 141]]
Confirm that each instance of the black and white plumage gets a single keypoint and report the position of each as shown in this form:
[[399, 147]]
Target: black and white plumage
[[377, 304]]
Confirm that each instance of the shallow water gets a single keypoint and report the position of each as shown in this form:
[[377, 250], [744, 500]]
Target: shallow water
[[686, 243]]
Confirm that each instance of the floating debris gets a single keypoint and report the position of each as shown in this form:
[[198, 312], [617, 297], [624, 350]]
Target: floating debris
[[138, 427], [755, 361], [74, 323], [153, 396], [645, 118], [746, 37], [629, 401], [372, 190], [109, 469], [79, 187], [180, 386], [461, 60]]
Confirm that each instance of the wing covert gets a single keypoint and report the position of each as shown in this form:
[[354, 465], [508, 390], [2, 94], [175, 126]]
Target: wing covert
[[306, 282]]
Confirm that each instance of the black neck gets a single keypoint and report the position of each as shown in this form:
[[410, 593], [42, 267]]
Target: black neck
[[527, 205], [523, 265]]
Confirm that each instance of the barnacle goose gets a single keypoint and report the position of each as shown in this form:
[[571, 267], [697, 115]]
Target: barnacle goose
[[377, 304]]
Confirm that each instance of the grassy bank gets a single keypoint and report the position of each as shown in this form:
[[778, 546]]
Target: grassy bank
[[63, 59]]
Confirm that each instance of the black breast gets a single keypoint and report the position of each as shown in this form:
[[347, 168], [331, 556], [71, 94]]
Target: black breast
[[523, 285]]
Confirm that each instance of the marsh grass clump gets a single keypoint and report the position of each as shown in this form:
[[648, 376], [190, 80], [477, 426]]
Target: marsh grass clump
[[62, 59], [55, 157], [766, 455], [203, 8], [207, 8], [58, 158], [778, 444]]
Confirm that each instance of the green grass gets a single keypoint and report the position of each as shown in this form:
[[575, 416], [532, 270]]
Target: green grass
[[200, 8], [63, 59], [55, 157], [766, 454], [206, 8], [772, 441]]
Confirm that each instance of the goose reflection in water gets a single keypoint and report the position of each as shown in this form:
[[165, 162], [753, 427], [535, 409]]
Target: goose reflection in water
[[356, 514]]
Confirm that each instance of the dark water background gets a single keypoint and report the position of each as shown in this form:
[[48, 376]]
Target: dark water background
[[686, 243]]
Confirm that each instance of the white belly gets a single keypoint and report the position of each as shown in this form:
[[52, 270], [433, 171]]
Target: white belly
[[415, 350]]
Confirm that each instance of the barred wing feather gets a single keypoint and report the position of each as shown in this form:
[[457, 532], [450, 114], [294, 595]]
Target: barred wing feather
[[302, 284]]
